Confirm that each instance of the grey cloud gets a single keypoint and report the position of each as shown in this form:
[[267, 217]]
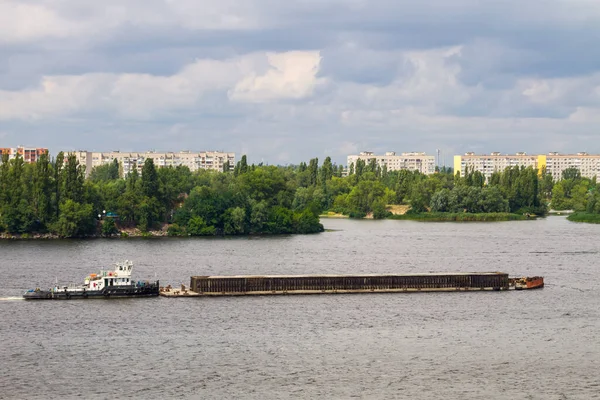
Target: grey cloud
[[457, 102]]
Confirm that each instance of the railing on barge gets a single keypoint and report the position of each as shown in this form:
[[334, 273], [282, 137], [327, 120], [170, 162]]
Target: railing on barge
[[308, 284]]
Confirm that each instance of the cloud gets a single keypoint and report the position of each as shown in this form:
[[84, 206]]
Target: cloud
[[250, 78], [291, 75], [286, 81]]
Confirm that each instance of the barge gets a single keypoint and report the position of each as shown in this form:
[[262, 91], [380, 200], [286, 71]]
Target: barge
[[370, 283], [105, 284]]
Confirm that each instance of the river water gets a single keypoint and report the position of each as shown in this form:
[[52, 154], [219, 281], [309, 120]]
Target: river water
[[541, 344]]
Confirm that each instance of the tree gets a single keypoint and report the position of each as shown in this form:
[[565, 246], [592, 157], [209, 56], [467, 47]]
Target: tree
[[559, 200], [362, 196], [546, 184], [235, 221], [197, 226], [109, 227], [313, 170], [42, 191], [492, 200], [379, 209], [241, 167], [58, 166], [326, 170], [150, 184], [440, 201], [106, 172], [307, 222], [571, 173], [75, 219], [72, 177]]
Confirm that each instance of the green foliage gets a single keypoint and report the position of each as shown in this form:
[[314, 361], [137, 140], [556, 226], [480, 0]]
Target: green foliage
[[379, 210], [460, 217], [109, 227], [593, 218], [149, 179], [176, 230], [572, 192], [75, 220], [307, 222], [53, 195], [197, 226], [235, 221], [107, 172]]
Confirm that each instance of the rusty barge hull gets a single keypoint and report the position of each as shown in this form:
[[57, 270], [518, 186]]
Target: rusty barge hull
[[243, 285]]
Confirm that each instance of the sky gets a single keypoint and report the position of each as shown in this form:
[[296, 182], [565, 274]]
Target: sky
[[286, 81]]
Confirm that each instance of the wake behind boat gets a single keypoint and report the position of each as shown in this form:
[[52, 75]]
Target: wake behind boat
[[105, 284]]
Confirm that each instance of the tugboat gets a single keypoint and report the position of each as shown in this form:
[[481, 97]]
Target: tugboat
[[526, 282], [105, 284]]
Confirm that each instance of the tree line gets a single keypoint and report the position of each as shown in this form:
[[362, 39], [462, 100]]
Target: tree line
[[54, 196]]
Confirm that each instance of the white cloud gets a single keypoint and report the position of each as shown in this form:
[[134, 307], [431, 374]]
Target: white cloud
[[291, 75], [22, 22]]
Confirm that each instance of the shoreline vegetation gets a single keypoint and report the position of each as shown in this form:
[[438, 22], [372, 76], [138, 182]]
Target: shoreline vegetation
[[586, 217], [443, 217], [55, 198], [462, 217]]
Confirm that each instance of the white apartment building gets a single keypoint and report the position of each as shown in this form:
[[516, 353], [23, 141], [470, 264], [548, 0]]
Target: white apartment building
[[208, 160], [408, 161], [587, 164], [555, 163], [487, 164]]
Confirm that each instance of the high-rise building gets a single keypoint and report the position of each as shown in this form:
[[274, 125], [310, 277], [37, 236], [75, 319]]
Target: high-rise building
[[208, 160], [487, 164], [555, 163], [409, 161], [29, 154], [587, 164]]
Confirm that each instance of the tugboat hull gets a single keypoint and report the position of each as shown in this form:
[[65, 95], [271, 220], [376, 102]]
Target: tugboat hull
[[120, 292]]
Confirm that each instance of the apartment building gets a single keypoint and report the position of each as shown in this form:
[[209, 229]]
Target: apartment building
[[487, 164], [555, 163], [587, 164], [30, 154], [208, 160], [408, 161]]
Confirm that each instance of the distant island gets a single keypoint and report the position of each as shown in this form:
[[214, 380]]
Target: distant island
[[53, 198]]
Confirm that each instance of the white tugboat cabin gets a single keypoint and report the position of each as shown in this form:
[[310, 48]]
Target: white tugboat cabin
[[120, 276]]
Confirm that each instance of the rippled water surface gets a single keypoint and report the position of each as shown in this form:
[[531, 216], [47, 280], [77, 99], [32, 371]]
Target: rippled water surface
[[541, 344]]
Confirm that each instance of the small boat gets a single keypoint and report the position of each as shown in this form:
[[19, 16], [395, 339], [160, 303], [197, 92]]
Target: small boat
[[105, 284], [526, 282]]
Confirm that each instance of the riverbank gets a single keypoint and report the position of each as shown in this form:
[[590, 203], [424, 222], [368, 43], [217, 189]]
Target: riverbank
[[123, 233], [584, 217], [461, 217]]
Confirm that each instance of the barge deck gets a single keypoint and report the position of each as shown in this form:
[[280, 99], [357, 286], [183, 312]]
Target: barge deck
[[243, 285]]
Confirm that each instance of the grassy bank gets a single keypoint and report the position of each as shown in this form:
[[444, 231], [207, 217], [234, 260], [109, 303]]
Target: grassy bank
[[460, 217], [584, 217]]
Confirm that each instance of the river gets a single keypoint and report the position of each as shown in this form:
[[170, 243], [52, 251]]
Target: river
[[540, 344]]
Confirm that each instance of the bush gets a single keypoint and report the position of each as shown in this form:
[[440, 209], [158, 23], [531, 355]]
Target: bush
[[584, 217], [379, 210], [307, 222], [175, 230], [357, 214], [109, 227], [75, 220], [198, 227]]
